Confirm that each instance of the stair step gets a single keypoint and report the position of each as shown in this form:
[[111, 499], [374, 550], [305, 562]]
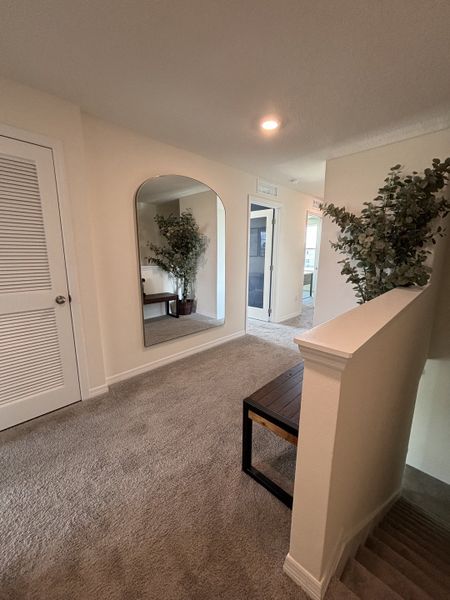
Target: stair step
[[408, 568], [339, 591], [426, 537], [365, 584], [416, 547], [417, 510], [419, 540], [415, 522], [426, 518], [419, 558], [390, 575]]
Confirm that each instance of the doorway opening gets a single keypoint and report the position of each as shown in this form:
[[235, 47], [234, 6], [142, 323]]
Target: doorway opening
[[260, 262], [268, 284], [311, 265]]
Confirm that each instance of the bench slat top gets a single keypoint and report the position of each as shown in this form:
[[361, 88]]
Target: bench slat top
[[281, 397], [162, 297]]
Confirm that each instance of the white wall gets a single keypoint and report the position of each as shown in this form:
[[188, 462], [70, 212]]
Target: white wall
[[105, 165], [204, 209], [350, 181], [147, 228], [429, 445], [118, 162], [357, 407]]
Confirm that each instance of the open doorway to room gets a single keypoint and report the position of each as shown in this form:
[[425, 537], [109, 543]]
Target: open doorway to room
[[311, 265], [260, 262], [273, 314]]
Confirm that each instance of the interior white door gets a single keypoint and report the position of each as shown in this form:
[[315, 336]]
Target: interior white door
[[317, 254], [38, 368], [260, 264]]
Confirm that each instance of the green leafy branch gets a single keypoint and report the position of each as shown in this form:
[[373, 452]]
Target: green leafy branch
[[387, 245], [182, 249]]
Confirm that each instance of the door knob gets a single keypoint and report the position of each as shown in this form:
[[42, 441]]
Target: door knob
[[60, 300]]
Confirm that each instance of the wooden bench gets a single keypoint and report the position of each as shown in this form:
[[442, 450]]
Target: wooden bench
[[166, 297], [275, 406]]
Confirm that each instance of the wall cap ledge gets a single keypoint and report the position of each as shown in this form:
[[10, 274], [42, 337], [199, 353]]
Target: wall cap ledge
[[347, 333], [334, 359]]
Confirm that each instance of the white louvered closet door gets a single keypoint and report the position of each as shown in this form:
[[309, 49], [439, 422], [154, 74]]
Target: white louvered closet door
[[38, 370]]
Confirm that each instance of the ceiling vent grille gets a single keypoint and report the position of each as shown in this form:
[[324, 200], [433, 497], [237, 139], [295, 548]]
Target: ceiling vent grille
[[266, 188]]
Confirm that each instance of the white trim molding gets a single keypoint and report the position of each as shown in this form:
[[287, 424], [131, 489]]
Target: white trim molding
[[303, 578], [344, 550], [347, 547], [277, 206], [322, 357], [98, 390], [297, 313], [263, 200], [171, 358]]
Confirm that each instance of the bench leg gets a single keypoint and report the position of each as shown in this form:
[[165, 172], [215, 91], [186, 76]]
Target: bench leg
[[247, 430], [171, 314]]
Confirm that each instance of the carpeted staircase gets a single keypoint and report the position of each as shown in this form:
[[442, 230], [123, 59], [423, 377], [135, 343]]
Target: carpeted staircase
[[407, 556]]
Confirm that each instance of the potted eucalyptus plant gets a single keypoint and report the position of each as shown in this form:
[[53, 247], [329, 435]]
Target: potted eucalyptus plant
[[179, 255], [388, 244]]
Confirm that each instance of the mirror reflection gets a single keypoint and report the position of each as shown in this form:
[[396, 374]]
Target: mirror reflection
[[181, 236]]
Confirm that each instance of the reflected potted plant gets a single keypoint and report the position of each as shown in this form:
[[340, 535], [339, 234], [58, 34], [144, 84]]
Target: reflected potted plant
[[179, 255]]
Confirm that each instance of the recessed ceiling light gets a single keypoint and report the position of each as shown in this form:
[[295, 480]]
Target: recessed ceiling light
[[270, 124]]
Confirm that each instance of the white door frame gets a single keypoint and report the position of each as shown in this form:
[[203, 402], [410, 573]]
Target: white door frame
[[314, 213], [264, 313], [56, 148], [252, 199]]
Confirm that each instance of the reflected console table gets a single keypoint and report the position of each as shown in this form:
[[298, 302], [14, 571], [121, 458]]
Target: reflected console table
[[166, 297]]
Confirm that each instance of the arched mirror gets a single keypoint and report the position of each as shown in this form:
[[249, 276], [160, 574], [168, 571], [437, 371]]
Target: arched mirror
[[181, 238]]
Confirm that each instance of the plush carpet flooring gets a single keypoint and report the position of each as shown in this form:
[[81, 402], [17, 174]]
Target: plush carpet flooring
[[163, 329], [283, 333], [140, 494], [431, 494]]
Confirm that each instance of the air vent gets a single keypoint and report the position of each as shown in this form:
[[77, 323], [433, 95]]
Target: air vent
[[266, 188]]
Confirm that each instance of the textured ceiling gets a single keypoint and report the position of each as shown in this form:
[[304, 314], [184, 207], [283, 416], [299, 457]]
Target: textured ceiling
[[343, 74]]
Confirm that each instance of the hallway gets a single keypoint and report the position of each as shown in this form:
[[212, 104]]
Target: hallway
[[282, 333]]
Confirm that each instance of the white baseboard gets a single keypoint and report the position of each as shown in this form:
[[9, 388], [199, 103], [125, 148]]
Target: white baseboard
[[99, 390], [171, 358], [286, 317], [349, 544], [303, 578], [344, 549], [207, 314]]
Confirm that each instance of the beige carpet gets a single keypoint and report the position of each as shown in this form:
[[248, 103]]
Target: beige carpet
[[283, 333], [140, 494], [163, 329]]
